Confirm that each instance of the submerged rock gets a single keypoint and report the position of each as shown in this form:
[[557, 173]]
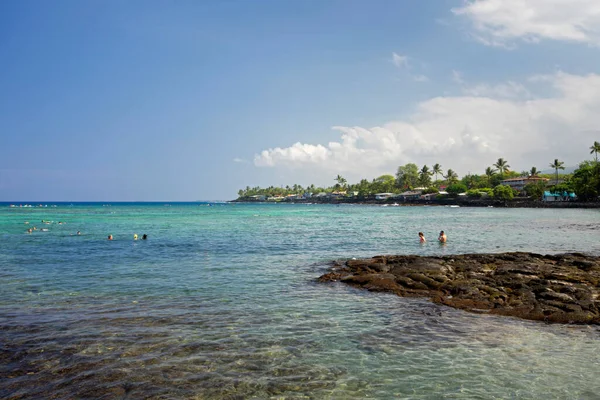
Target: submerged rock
[[561, 288]]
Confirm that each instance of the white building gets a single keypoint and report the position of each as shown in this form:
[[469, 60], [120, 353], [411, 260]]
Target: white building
[[383, 196]]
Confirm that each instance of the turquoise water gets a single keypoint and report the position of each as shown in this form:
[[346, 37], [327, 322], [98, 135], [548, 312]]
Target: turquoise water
[[221, 302]]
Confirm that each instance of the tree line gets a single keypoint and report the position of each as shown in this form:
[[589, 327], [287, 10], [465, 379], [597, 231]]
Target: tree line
[[584, 181]]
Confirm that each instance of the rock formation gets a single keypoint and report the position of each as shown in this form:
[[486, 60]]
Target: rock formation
[[560, 288]]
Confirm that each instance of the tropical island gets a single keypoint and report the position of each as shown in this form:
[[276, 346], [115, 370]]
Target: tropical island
[[411, 185]]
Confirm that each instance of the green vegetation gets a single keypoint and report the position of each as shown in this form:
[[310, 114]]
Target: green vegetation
[[456, 188], [407, 176], [503, 192], [584, 182], [502, 166], [595, 148], [557, 165], [481, 192], [535, 191]]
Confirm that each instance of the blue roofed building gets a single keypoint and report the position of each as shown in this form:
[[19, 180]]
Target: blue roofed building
[[564, 196]]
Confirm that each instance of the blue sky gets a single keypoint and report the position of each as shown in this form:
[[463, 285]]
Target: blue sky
[[188, 100]]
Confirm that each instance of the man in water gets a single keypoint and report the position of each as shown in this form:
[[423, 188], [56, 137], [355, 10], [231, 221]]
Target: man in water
[[442, 238], [422, 237], [144, 236]]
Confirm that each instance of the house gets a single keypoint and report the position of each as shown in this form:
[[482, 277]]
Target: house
[[564, 196], [410, 195], [520, 182], [383, 196], [258, 197]]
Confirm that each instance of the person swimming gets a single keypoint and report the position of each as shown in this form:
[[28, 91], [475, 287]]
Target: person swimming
[[422, 237], [135, 236], [442, 238], [110, 237], [144, 236]]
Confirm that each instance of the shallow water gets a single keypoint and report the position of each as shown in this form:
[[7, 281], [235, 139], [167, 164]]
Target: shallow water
[[221, 302]]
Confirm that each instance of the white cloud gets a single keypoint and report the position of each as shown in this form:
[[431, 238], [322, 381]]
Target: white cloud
[[297, 154], [501, 22], [466, 133], [400, 61], [239, 160], [509, 89]]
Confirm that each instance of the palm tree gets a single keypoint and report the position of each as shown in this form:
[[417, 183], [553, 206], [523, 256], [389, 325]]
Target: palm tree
[[451, 176], [437, 169], [533, 171], [425, 176], [595, 148], [502, 166], [489, 172], [341, 181], [557, 165]]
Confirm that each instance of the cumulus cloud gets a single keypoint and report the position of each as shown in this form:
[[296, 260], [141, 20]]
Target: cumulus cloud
[[465, 133], [297, 154], [501, 22]]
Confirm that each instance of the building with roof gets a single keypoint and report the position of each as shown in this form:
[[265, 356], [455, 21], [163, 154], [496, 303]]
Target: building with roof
[[564, 196], [383, 196], [520, 182]]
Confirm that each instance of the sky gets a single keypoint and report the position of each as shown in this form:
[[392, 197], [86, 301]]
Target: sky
[[194, 100]]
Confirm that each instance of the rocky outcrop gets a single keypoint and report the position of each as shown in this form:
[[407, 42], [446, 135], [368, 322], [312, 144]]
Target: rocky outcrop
[[561, 288]]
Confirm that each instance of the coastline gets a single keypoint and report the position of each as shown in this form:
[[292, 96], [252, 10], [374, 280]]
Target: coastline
[[456, 201]]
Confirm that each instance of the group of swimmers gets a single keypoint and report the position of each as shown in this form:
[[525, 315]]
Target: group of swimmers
[[135, 237], [30, 230], [442, 238], [110, 237]]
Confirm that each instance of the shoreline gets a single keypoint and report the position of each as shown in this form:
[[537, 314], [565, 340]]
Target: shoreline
[[560, 288], [515, 203]]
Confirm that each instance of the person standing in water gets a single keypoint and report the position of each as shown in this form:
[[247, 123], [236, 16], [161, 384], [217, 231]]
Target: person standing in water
[[422, 237], [442, 238]]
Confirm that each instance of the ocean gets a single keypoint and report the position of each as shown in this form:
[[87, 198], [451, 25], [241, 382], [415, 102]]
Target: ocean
[[221, 302]]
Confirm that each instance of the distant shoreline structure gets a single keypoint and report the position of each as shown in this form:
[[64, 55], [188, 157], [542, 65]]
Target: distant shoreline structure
[[456, 201]]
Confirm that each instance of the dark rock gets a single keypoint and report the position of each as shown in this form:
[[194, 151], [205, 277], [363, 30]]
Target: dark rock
[[561, 288]]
